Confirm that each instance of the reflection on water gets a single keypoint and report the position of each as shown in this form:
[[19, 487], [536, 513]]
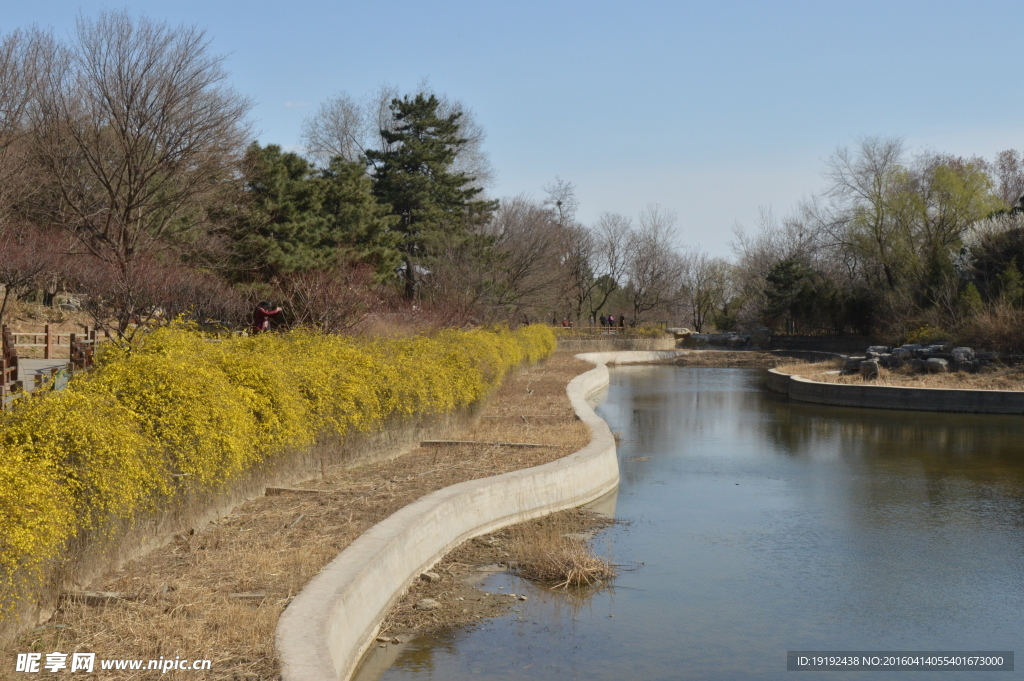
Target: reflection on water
[[766, 525]]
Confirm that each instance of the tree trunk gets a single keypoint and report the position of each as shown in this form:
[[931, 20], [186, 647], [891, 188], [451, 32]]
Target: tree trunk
[[410, 279]]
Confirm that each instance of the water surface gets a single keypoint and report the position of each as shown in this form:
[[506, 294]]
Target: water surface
[[765, 525]]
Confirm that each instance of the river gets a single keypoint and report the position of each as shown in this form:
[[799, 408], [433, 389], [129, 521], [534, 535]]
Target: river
[[756, 525]]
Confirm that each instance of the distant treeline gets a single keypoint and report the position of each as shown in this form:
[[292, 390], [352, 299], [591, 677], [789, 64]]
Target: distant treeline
[[129, 175]]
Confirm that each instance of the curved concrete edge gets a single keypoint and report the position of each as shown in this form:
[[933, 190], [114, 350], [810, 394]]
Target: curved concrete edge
[[804, 389], [327, 627], [629, 357]]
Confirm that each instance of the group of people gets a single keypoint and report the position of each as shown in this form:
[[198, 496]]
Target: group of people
[[610, 321], [607, 322]]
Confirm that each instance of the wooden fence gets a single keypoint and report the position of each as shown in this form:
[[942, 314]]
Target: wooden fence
[[80, 349]]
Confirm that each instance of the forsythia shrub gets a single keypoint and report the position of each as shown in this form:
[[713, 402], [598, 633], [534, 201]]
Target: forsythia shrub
[[205, 409]]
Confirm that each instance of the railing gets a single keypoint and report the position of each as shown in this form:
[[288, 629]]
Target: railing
[[81, 349], [8, 364], [53, 344]]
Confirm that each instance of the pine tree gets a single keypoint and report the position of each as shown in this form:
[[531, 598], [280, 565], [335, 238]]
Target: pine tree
[[414, 176], [1011, 284], [297, 218]]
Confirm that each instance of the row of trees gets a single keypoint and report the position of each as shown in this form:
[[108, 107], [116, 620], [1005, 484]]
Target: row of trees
[[896, 241], [128, 174]]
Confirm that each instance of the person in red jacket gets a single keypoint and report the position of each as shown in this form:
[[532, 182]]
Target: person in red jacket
[[261, 317]]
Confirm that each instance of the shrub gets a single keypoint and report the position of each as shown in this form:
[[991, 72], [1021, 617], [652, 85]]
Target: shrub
[[928, 334], [178, 403]]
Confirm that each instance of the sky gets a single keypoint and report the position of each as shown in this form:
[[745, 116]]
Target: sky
[[711, 110]]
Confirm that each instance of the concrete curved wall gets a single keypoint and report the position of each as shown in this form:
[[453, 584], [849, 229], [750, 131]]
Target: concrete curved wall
[[333, 620], [895, 397]]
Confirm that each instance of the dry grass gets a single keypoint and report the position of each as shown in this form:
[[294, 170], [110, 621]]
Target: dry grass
[[998, 378], [555, 553], [1005, 378], [183, 599], [746, 359], [808, 369], [462, 602]]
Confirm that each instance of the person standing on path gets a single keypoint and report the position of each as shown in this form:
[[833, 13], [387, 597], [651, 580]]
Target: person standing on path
[[261, 317]]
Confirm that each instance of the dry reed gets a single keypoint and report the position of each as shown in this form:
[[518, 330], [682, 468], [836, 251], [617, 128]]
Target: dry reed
[[554, 555]]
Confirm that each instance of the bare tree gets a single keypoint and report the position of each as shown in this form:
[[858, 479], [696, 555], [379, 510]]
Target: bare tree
[[703, 286], [150, 289], [339, 128], [612, 236], [1008, 170], [527, 243], [331, 300], [577, 259], [653, 267], [25, 57], [562, 200], [135, 134], [346, 127], [27, 255], [866, 219]]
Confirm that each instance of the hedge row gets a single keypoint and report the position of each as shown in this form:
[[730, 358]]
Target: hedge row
[[181, 403]]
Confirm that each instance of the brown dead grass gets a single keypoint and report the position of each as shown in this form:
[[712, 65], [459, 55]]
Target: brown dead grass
[[217, 593], [808, 369], [746, 359], [998, 378], [462, 602], [555, 552]]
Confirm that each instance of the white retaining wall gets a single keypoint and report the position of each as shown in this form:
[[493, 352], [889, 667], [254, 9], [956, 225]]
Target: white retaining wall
[[329, 625]]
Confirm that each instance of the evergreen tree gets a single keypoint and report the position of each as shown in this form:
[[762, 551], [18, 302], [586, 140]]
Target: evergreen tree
[[1011, 284], [296, 218], [413, 175]]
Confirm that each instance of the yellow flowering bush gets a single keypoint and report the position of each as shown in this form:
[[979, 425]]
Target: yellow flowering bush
[[182, 405]]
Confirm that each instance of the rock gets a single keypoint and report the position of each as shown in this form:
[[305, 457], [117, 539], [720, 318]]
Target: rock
[[852, 364], [761, 337], [886, 360], [383, 639], [902, 354], [524, 598], [869, 369], [427, 604], [431, 577], [936, 365], [917, 364], [879, 349], [735, 342], [962, 359]]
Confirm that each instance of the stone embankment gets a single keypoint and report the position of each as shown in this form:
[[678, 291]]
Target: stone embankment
[[935, 358]]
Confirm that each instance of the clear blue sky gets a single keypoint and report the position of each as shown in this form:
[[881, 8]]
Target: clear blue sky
[[709, 109]]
